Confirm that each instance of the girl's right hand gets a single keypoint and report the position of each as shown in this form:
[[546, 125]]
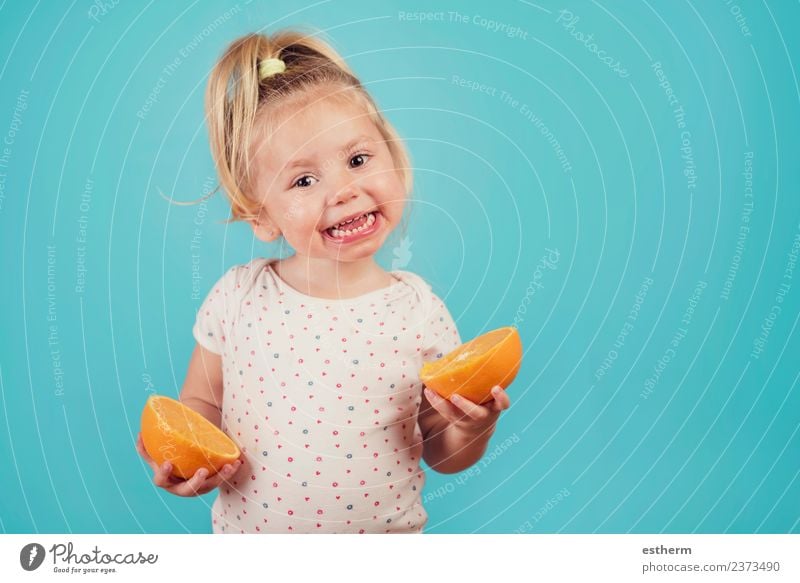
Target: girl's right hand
[[197, 485]]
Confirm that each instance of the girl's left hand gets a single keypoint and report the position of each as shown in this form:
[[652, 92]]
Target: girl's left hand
[[467, 416]]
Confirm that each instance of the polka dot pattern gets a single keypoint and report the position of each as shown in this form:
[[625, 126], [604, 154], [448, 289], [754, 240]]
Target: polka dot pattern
[[322, 396]]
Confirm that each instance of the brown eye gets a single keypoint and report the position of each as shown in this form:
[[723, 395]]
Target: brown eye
[[303, 180], [362, 160]]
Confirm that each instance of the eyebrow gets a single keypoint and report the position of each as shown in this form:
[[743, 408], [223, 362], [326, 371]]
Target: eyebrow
[[308, 161]]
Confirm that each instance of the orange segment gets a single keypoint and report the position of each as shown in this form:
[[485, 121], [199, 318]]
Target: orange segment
[[472, 369], [173, 432]]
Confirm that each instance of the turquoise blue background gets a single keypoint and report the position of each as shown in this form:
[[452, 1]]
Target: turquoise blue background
[[713, 448]]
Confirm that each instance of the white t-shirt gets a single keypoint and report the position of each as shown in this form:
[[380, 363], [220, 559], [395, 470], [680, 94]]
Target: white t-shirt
[[322, 396]]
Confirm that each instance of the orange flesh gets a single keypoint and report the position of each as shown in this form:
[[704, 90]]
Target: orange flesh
[[464, 355], [187, 424]]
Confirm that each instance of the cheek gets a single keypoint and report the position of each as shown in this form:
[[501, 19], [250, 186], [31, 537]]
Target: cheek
[[301, 218], [388, 186], [389, 193]]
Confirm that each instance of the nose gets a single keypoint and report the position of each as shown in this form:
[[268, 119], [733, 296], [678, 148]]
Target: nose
[[345, 188]]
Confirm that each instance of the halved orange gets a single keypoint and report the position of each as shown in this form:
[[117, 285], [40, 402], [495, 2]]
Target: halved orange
[[173, 432], [474, 368]]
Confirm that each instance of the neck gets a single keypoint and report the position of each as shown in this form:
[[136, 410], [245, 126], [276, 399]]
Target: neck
[[320, 276]]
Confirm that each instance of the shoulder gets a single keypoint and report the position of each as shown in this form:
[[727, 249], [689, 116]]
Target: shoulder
[[239, 279], [439, 328], [421, 288], [429, 299]]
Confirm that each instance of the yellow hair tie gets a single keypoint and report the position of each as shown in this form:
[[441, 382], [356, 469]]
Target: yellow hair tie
[[270, 67]]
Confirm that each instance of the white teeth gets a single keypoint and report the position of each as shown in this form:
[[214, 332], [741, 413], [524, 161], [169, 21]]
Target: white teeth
[[347, 222], [338, 233]]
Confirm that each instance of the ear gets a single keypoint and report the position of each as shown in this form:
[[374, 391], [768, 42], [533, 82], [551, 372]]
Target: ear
[[264, 228]]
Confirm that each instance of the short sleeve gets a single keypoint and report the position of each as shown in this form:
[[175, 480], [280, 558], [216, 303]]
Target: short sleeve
[[212, 319], [441, 333]]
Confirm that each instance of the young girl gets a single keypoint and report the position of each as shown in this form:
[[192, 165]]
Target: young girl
[[310, 363]]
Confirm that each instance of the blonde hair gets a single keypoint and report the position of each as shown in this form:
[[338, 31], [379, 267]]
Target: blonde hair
[[240, 105]]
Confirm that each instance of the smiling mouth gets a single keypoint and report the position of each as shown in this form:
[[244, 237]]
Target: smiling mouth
[[352, 227]]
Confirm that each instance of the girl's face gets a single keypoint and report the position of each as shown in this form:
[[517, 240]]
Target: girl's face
[[323, 166]]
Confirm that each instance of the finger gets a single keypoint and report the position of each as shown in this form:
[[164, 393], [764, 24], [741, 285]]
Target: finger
[[501, 400], [162, 475], [473, 410], [159, 473], [191, 486], [235, 467], [225, 473], [443, 406], [157, 470]]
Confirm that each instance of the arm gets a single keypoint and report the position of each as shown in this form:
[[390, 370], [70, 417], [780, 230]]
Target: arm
[[456, 438], [455, 433], [202, 389]]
